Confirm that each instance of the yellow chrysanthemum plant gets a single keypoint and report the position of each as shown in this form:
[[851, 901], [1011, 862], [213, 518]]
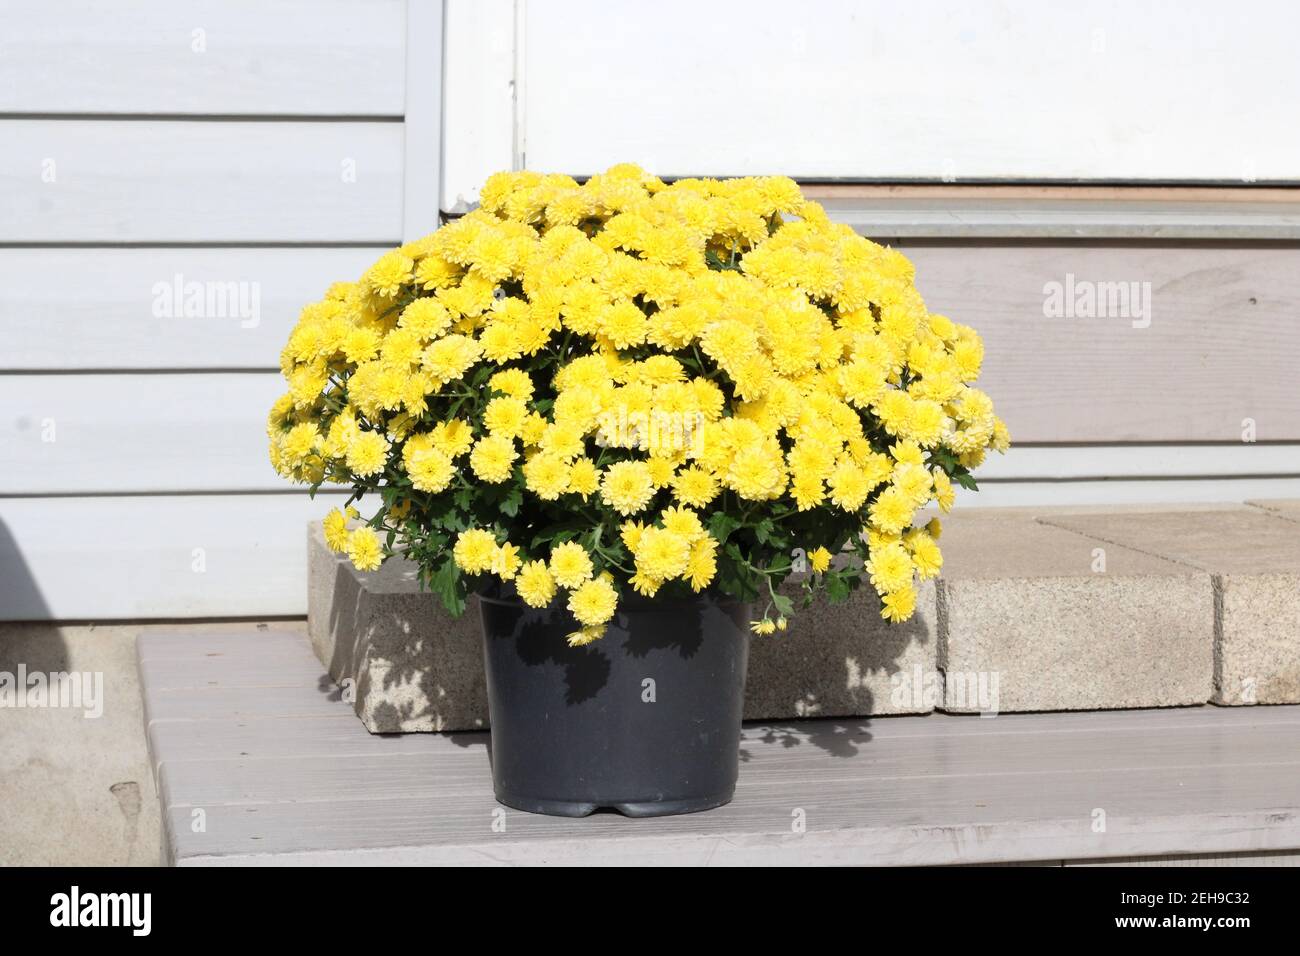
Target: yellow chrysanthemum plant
[[584, 391]]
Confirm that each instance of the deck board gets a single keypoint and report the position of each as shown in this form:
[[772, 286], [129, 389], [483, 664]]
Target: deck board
[[277, 770]]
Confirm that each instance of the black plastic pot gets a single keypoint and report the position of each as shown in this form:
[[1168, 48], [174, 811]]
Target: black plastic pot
[[645, 721]]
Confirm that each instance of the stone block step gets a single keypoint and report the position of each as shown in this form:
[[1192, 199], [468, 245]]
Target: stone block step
[[1084, 608], [1253, 556]]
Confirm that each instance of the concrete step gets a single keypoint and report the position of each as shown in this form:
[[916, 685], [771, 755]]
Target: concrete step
[[1074, 609], [1253, 557], [254, 771]]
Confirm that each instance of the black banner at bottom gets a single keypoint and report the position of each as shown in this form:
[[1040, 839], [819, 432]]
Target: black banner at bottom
[[213, 905]]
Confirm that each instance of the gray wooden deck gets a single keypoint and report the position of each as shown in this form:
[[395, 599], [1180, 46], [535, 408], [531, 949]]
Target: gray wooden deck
[[260, 762]]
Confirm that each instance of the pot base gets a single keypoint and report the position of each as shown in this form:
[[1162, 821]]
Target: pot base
[[649, 808]]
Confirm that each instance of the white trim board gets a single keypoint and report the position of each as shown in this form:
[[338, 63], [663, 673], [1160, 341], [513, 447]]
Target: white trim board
[[423, 118], [1101, 91], [478, 98]]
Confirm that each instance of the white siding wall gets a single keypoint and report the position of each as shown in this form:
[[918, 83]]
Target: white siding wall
[[280, 145], [270, 148]]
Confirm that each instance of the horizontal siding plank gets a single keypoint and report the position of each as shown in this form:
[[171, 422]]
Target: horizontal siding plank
[[1241, 216], [1211, 357], [155, 557], [1222, 345], [138, 433], [1025, 462], [170, 432], [144, 181], [307, 57], [115, 308], [1103, 491]]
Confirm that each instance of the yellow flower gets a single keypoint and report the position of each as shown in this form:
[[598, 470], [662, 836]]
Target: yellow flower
[[506, 561], [452, 438], [907, 452], [694, 486], [360, 345], [586, 636], [1001, 436], [890, 568], [448, 358], [474, 551], [682, 521], [702, 564], [624, 324], [661, 471], [364, 550], [386, 276], [662, 554], [807, 490], [849, 486], [336, 530], [367, 453], [493, 458], [914, 482], [630, 533], [426, 318], [505, 416], [765, 626], [547, 476], [927, 423], [627, 487], [943, 490], [757, 474], [514, 382], [430, 471], [926, 555], [820, 559], [892, 511], [898, 606], [536, 584], [570, 564], [300, 441], [584, 477], [563, 440], [593, 602]]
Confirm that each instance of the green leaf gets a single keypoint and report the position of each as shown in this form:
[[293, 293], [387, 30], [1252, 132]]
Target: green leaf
[[966, 480], [944, 459], [721, 525], [509, 505], [837, 588], [446, 582], [784, 606]]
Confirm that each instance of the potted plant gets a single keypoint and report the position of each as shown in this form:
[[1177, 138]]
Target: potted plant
[[619, 411]]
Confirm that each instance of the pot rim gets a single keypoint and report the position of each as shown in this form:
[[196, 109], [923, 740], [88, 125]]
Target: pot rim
[[504, 595]]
